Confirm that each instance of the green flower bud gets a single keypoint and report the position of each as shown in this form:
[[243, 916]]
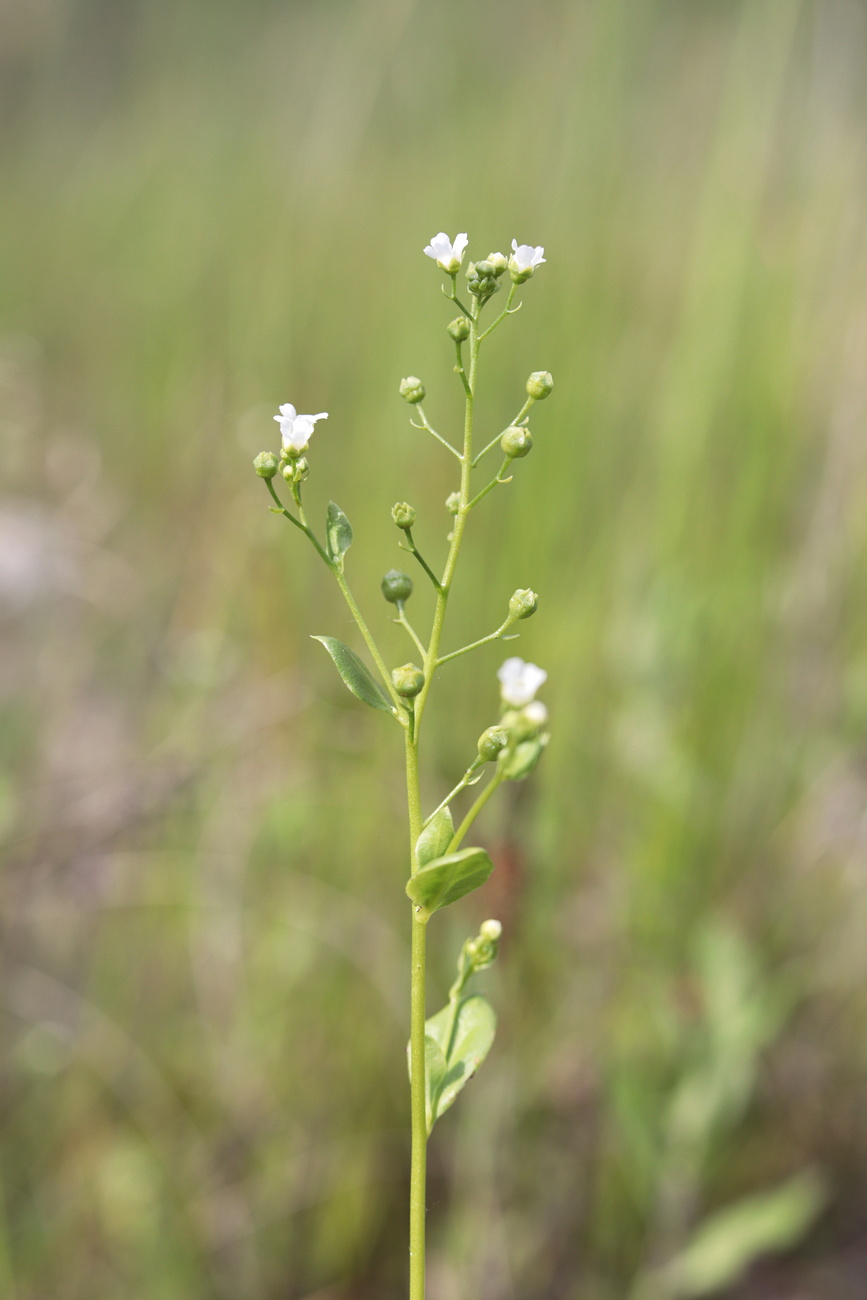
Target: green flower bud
[[412, 389], [539, 384], [459, 329], [524, 602], [497, 262], [408, 680], [482, 951], [492, 742], [403, 515], [453, 502], [396, 586], [481, 280], [516, 442], [266, 464], [288, 471]]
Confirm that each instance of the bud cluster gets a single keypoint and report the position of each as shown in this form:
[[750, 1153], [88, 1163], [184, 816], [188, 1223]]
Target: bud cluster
[[482, 279], [295, 469], [403, 515], [482, 951], [412, 389]]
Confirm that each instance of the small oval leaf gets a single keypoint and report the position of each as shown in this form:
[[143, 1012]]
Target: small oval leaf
[[445, 880], [355, 674], [435, 838], [471, 1033], [338, 533]]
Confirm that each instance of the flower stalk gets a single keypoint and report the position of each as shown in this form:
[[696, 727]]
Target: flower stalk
[[441, 871]]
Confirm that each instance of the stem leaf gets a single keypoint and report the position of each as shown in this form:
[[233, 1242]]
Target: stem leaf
[[355, 674], [435, 838], [471, 1033], [338, 534], [446, 879]]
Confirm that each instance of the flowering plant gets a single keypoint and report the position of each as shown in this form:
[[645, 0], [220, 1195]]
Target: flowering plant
[[446, 1049]]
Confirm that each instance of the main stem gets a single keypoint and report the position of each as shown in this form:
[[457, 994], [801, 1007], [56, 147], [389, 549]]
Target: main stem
[[418, 1007], [418, 1012]]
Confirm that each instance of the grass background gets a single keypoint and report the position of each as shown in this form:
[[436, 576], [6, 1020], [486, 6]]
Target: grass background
[[212, 208]]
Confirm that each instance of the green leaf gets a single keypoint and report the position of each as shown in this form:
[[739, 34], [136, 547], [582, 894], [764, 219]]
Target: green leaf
[[434, 1073], [435, 838], [471, 1036], [355, 674], [338, 534], [447, 879], [728, 1242]]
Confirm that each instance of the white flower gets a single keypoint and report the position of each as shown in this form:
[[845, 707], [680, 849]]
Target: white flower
[[520, 681], [536, 713], [446, 254], [296, 429], [525, 258]]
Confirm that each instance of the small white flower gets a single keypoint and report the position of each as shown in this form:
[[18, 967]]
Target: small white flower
[[525, 257], [520, 681], [446, 254], [295, 429], [536, 713]]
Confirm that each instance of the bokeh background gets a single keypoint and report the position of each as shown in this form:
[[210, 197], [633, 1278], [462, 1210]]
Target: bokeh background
[[211, 207]]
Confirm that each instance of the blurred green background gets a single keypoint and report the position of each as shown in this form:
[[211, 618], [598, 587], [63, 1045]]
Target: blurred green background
[[211, 208]]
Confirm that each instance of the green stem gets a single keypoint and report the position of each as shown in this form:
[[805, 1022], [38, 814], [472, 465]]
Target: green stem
[[308, 532], [408, 627], [426, 424], [413, 550], [495, 482], [418, 1010], [503, 314], [459, 368], [517, 420], [466, 779], [474, 645], [459, 525], [369, 641], [474, 812]]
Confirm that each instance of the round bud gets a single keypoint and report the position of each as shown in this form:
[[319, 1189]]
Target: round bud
[[412, 389], [396, 586], [539, 384], [491, 930], [408, 680], [453, 502], [516, 442], [484, 269], [524, 602], [403, 515], [302, 469], [497, 263], [288, 471], [492, 742], [459, 329], [266, 464]]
